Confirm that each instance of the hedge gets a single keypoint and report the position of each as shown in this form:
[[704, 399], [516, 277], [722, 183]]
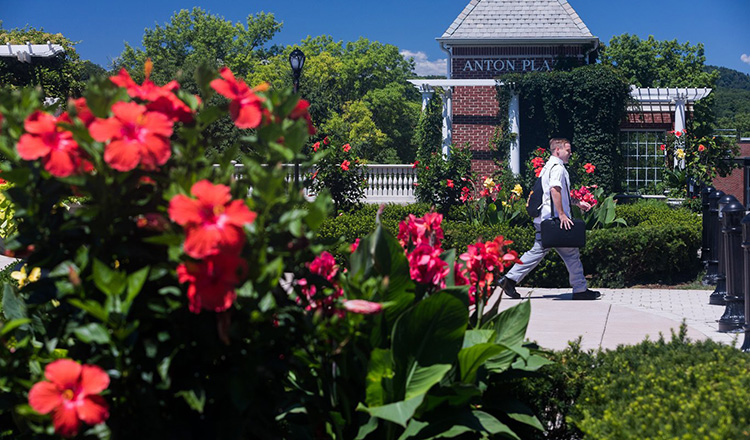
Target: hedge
[[676, 389], [659, 245]]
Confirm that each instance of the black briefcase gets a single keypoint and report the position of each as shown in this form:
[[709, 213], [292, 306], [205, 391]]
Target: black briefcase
[[555, 237]]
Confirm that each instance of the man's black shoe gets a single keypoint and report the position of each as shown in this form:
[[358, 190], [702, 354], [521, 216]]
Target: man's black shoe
[[509, 287], [588, 294]]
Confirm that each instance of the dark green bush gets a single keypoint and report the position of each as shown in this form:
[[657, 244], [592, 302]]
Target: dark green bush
[[655, 212], [675, 389]]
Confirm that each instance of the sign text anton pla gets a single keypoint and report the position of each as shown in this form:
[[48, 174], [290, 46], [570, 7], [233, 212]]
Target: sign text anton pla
[[508, 65]]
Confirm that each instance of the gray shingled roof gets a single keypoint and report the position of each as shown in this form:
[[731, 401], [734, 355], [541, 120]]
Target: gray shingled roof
[[517, 19]]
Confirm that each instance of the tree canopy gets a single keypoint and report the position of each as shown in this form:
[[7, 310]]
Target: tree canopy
[[668, 63]]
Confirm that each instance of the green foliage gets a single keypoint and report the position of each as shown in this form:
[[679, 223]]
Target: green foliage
[[7, 223], [340, 173], [653, 63], [656, 389], [441, 179], [585, 105], [358, 86], [61, 76], [428, 135]]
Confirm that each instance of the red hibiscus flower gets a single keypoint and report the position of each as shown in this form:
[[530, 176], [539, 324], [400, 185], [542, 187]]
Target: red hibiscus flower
[[71, 395], [662, 147], [46, 140], [362, 307], [316, 146], [678, 133], [346, 148], [538, 171], [426, 267], [212, 281], [136, 136], [212, 221], [465, 194], [449, 183], [326, 141], [414, 165], [245, 105], [589, 168], [701, 148], [345, 165], [300, 112], [83, 112]]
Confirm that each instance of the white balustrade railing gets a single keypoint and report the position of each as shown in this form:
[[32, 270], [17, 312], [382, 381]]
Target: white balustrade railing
[[385, 183]]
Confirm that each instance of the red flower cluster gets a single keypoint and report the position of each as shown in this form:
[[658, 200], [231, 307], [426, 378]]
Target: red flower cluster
[[483, 262], [346, 148], [71, 395], [300, 112], [701, 148], [449, 183], [538, 164], [589, 168], [466, 194], [415, 164], [213, 225], [425, 265], [584, 195], [345, 165], [323, 266], [414, 231], [45, 139], [159, 99], [421, 239]]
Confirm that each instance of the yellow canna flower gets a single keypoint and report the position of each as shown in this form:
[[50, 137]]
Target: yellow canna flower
[[489, 183], [23, 279], [680, 153], [505, 204], [517, 190]]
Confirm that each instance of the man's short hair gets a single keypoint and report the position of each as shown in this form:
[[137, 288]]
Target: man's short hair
[[556, 143]]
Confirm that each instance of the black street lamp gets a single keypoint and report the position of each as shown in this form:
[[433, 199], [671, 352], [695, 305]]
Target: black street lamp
[[296, 62]]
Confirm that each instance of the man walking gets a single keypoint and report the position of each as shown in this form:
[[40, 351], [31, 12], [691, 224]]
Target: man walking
[[555, 186]]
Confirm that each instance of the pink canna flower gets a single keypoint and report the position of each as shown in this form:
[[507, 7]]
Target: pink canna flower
[[135, 137], [212, 281], [362, 307], [70, 393], [353, 247], [213, 221], [426, 267]]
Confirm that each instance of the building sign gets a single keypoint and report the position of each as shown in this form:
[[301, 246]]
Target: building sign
[[506, 65]]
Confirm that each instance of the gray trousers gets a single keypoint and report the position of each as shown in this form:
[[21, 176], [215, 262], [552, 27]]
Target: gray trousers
[[530, 259]]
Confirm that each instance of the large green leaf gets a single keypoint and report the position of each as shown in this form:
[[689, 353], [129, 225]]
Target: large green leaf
[[111, 282], [92, 333], [471, 358], [7, 327], [380, 369], [13, 306], [518, 412], [474, 337], [510, 325], [397, 412], [421, 379], [429, 333]]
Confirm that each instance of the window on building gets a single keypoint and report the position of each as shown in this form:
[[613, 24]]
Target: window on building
[[643, 158]]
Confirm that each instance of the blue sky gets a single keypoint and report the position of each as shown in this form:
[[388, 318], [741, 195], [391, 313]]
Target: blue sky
[[102, 26]]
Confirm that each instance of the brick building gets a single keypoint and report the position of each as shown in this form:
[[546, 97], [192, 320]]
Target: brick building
[[738, 183], [493, 37]]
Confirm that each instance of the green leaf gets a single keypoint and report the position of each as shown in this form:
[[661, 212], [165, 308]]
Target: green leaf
[[518, 412], [13, 306], [92, 333], [398, 412], [474, 337], [421, 379], [379, 369], [511, 324], [9, 326], [111, 282], [471, 358], [136, 281], [367, 429], [196, 401], [493, 425], [91, 307]]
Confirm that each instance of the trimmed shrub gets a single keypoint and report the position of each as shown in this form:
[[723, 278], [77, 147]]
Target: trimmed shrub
[[677, 389], [655, 212]]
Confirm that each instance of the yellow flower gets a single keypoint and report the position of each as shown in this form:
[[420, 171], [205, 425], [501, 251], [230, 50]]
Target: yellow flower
[[517, 190], [505, 204], [23, 279], [489, 183], [680, 153]]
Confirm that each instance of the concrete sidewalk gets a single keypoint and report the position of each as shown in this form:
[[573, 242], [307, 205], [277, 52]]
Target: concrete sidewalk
[[621, 316]]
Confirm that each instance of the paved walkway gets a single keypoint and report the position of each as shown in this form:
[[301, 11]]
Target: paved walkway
[[621, 316]]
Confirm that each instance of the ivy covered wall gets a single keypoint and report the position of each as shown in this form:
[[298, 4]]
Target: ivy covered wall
[[586, 105]]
